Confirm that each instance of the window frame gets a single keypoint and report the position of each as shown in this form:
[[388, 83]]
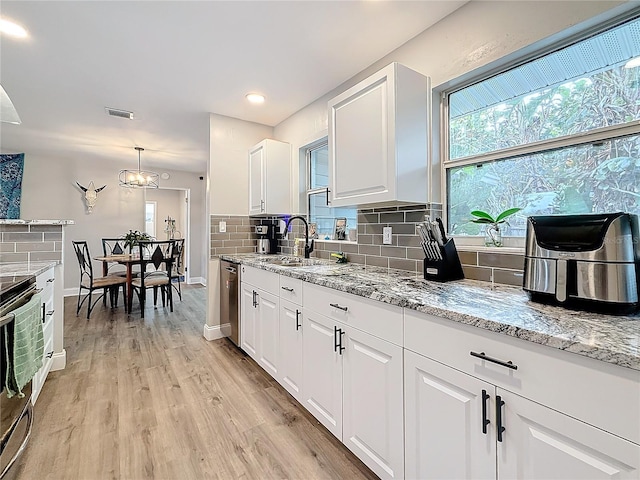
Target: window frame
[[524, 56], [323, 142]]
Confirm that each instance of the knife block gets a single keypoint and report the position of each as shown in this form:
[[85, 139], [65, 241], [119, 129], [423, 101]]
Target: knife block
[[449, 268]]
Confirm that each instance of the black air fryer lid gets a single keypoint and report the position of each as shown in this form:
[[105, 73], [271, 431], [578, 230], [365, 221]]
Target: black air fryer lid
[[572, 233]]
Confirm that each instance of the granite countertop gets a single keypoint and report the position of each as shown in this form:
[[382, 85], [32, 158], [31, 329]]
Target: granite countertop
[[21, 221], [26, 268], [502, 309]]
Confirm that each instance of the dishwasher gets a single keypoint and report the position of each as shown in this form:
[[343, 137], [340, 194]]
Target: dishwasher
[[229, 299]]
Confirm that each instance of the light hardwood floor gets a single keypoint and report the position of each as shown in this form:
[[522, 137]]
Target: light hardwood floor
[[151, 398]]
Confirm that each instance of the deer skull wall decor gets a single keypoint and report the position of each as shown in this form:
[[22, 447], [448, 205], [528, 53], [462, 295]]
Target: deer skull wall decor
[[90, 195]]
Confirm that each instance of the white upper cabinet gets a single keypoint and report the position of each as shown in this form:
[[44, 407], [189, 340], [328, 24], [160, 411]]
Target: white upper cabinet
[[269, 178], [378, 131]]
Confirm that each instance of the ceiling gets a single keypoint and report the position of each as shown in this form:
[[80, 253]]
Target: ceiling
[[174, 62]]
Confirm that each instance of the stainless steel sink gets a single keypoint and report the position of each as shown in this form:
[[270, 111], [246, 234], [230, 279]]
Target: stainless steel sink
[[286, 263]]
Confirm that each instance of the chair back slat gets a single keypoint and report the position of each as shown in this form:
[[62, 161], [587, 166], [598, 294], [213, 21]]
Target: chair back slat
[[156, 256], [84, 261]]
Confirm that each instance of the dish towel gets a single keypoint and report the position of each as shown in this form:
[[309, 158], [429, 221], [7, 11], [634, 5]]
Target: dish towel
[[26, 348]]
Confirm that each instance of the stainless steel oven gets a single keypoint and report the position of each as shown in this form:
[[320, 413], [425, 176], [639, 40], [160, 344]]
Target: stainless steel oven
[[16, 413]]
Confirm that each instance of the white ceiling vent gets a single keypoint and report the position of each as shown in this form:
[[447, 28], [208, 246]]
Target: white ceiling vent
[[114, 112]]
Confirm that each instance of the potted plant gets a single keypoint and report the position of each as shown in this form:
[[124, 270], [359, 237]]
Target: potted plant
[[132, 238], [492, 233]]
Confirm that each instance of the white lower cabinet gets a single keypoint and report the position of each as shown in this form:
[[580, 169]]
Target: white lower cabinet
[[447, 436], [353, 386], [249, 320], [291, 348], [420, 397], [268, 307], [259, 326], [372, 402], [322, 372], [45, 282], [540, 443], [461, 427]]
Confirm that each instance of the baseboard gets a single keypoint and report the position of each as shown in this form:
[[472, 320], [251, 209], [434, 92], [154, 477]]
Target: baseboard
[[217, 331], [59, 360], [200, 280], [70, 292]]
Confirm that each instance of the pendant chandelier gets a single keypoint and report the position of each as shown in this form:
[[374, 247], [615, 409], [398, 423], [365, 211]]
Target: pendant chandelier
[[138, 178]]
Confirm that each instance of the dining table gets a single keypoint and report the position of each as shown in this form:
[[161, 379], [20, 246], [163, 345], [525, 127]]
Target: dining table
[[128, 260]]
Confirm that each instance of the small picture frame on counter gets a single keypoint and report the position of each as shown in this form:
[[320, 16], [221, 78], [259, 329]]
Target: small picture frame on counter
[[313, 230], [340, 229]]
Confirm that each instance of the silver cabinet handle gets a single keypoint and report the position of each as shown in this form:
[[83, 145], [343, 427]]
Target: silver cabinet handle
[[50, 354], [288, 289], [50, 312], [262, 205], [335, 305], [51, 280]]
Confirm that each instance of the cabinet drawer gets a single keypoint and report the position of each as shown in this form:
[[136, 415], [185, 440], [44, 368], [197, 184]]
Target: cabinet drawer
[[377, 318], [291, 289], [267, 281], [601, 394]]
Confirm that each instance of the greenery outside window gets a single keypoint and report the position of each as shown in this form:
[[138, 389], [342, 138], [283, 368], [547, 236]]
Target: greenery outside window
[[558, 134], [320, 213]]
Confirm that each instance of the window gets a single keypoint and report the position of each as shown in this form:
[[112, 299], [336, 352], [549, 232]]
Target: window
[[150, 218], [317, 159], [556, 135]]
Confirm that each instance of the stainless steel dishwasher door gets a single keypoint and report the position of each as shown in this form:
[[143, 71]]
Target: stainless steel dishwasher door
[[229, 306]]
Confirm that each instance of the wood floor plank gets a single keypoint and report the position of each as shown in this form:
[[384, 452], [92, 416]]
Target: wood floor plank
[[152, 399]]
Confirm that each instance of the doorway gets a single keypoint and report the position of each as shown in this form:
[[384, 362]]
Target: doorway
[[171, 208]]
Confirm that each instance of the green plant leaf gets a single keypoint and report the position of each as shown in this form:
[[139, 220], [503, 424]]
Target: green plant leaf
[[481, 214], [483, 220], [507, 213]]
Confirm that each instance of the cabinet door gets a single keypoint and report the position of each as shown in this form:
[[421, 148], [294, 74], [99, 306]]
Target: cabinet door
[[372, 402], [361, 158], [444, 422], [541, 443], [248, 321], [290, 360], [267, 325], [322, 372], [257, 178]]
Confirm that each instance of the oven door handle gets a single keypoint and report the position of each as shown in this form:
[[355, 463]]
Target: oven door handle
[[29, 413]]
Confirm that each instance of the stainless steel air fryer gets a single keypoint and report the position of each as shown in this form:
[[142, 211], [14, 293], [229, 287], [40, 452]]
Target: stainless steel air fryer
[[587, 262]]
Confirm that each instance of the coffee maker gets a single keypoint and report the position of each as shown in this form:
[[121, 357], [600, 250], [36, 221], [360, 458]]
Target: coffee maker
[[267, 240]]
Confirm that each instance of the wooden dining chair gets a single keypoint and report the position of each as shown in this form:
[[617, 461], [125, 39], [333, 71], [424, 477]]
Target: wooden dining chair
[[156, 263], [108, 283]]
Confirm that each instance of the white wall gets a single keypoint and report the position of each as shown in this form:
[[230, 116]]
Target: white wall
[[228, 173], [230, 140], [49, 192], [472, 37]]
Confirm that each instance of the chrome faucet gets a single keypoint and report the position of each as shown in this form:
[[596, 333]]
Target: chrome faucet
[[308, 247]]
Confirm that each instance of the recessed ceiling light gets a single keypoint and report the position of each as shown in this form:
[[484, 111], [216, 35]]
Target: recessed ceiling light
[[634, 62], [12, 29], [255, 98]]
